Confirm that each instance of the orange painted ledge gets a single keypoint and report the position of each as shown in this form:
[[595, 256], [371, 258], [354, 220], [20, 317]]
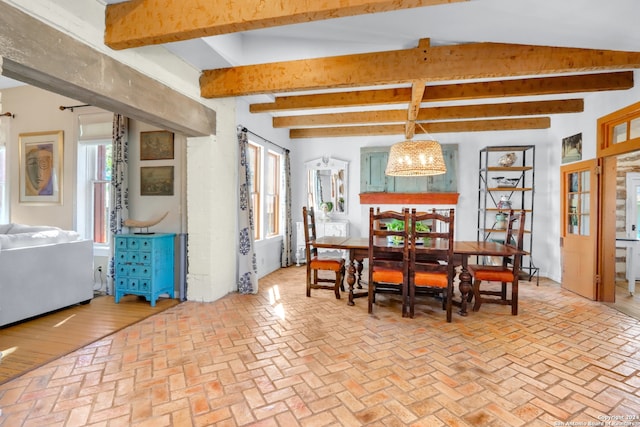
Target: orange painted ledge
[[409, 198]]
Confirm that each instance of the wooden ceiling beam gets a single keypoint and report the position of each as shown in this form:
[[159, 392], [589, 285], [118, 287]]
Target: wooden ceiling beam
[[619, 80], [440, 127], [434, 113], [436, 63], [149, 22], [417, 92]]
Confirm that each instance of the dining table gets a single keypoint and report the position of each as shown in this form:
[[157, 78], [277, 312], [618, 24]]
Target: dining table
[[358, 250]]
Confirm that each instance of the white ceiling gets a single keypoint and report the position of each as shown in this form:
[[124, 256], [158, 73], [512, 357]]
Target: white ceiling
[[598, 24]]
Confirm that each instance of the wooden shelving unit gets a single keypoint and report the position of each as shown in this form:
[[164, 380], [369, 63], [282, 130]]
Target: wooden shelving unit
[[521, 195]]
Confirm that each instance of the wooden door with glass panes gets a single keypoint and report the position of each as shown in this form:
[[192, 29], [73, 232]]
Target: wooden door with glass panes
[[579, 227]]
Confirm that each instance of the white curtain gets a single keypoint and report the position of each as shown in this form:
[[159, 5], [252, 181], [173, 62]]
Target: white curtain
[[247, 265], [119, 183]]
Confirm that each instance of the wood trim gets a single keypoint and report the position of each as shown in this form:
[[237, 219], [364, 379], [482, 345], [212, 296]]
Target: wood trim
[[409, 198]]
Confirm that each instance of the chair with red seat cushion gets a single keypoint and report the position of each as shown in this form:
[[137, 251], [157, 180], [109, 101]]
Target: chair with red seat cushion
[[388, 256], [431, 266], [505, 273], [318, 262]]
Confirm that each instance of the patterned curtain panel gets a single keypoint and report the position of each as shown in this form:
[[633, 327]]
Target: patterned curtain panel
[[247, 265], [119, 182], [286, 258]]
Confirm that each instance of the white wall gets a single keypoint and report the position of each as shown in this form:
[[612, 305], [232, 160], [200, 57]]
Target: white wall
[[212, 208], [36, 110], [149, 207]]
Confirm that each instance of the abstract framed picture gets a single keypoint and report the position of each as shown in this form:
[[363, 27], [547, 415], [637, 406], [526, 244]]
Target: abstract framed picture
[[156, 181], [156, 145], [41, 167], [572, 148]]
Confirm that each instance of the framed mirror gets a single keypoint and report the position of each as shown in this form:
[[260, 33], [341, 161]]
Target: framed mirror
[[327, 186]]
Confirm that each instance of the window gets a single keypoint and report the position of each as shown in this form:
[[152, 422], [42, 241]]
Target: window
[[272, 193], [254, 172], [94, 182], [94, 178], [266, 187]]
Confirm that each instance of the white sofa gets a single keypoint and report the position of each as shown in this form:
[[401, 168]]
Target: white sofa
[[42, 269]]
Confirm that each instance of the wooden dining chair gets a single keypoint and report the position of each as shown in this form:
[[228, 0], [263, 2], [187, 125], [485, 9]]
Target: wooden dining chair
[[431, 266], [317, 262], [388, 257], [505, 273]]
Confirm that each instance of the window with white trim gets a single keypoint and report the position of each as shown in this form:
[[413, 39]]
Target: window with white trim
[[94, 178], [265, 168]]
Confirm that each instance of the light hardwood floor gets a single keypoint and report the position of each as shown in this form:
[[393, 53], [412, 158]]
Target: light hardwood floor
[[32, 343]]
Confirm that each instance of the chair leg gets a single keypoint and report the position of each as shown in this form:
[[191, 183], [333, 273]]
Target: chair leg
[[407, 302], [372, 297], [343, 272], [336, 287], [308, 282], [514, 297], [476, 295]]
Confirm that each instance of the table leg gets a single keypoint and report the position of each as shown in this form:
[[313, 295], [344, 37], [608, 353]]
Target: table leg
[[360, 268], [464, 286], [351, 280]]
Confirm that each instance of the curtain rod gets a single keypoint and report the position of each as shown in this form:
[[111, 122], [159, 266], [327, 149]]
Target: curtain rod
[[265, 139], [8, 114], [71, 107]]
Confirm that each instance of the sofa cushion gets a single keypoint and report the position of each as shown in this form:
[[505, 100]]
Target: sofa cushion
[[5, 227], [24, 228], [47, 237]]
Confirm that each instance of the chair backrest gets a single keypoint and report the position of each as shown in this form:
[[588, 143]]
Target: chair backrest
[[515, 229], [514, 236], [431, 235], [309, 219], [388, 247]]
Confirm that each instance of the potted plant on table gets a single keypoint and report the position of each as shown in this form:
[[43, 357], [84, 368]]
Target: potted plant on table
[[398, 225], [395, 225]]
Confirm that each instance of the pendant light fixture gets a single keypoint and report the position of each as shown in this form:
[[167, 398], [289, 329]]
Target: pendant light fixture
[[416, 158]]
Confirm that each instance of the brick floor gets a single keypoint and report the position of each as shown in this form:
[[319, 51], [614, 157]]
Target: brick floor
[[281, 359]]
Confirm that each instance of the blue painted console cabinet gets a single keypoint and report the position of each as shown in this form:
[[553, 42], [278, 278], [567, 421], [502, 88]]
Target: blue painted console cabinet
[[144, 265]]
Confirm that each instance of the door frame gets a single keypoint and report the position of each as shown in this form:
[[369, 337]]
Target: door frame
[[607, 151]]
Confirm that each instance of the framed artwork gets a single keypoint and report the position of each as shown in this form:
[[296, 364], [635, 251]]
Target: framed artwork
[[572, 148], [156, 145], [41, 167], [156, 181]]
